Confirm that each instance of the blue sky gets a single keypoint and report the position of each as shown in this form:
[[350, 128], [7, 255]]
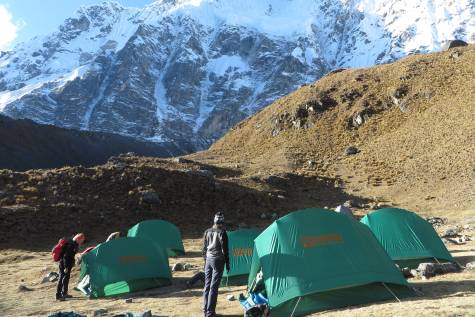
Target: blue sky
[[23, 19]]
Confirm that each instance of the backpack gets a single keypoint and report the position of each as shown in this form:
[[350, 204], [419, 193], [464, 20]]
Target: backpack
[[57, 251]]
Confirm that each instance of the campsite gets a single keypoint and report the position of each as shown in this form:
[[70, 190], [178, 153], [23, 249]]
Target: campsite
[[255, 158], [438, 295]]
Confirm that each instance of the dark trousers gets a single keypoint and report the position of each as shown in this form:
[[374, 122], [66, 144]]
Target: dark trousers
[[214, 268], [63, 281]]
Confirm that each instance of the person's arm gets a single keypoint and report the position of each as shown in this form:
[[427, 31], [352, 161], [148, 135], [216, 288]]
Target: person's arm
[[226, 250], [205, 245]]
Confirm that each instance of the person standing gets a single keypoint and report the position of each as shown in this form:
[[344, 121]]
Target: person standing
[[66, 263], [216, 255]]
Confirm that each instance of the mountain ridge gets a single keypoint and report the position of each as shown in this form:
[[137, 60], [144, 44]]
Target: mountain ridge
[[190, 70]]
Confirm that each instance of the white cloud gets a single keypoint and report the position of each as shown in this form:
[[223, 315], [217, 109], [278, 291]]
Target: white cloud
[[8, 28]]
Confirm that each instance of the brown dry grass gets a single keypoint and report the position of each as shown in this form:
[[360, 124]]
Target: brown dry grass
[[426, 152]]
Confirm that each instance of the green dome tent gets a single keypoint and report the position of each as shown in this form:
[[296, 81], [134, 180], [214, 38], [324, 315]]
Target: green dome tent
[[125, 265], [241, 246], [406, 237], [163, 233], [313, 260]]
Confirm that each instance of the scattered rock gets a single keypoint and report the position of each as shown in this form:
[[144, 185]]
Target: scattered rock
[[351, 150], [23, 288], [470, 265], [401, 92], [231, 298], [202, 172], [178, 267], [274, 180], [181, 160], [150, 197], [450, 233], [406, 272], [427, 270], [100, 311], [50, 277], [359, 118], [128, 300], [436, 221], [263, 215]]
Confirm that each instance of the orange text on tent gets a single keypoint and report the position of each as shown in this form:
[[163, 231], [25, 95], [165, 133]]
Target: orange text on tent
[[132, 259], [313, 241], [242, 252]]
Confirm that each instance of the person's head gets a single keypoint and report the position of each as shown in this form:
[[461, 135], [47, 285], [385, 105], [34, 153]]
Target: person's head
[[218, 219], [79, 238]]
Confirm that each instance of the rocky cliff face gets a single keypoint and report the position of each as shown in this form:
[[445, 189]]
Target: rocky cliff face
[[189, 70]]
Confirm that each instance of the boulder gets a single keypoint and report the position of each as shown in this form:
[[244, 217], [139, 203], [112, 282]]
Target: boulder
[[150, 197], [178, 267], [427, 270], [351, 150], [181, 160], [450, 233], [100, 311], [453, 43], [470, 265]]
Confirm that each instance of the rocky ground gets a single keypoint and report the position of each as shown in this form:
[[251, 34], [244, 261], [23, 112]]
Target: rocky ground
[[24, 294]]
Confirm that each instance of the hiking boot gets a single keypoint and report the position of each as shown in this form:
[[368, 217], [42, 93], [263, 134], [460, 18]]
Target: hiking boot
[[60, 299], [67, 296]]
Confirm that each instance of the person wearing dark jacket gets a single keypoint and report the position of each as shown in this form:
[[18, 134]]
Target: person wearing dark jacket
[[66, 263], [216, 255]]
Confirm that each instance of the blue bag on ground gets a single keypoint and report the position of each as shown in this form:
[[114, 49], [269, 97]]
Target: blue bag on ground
[[255, 305]]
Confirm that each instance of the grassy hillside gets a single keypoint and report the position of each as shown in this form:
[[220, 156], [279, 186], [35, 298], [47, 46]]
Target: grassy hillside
[[412, 123]]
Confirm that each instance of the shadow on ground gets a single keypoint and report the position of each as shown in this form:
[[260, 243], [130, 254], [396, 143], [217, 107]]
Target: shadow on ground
[[47, 205]]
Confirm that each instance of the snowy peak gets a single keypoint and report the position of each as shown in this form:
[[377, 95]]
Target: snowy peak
[[190, 69]]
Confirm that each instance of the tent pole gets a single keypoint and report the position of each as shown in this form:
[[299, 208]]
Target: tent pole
[[295, 308], [251, 285], [384, 284]]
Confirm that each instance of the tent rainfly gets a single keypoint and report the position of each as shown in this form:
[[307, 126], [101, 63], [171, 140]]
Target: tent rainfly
[[313, 260], [125, 265], [160, 232], [407, 238], [241, 246]]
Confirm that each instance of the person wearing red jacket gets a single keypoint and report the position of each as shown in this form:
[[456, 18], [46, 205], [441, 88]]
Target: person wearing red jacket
[[66, 263]]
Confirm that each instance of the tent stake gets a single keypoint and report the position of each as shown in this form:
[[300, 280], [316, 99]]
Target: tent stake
[[295, 308], [384, 284]]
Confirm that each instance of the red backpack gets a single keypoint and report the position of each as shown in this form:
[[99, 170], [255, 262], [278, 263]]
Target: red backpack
[[58, 249]]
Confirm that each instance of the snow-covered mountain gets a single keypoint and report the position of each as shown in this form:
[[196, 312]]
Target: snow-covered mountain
[[188, 70]]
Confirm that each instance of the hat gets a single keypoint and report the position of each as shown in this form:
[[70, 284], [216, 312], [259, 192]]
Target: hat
[[80, 238], [219, 218]]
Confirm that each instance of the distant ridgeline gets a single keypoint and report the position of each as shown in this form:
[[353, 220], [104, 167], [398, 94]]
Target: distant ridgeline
[[26, 145]]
